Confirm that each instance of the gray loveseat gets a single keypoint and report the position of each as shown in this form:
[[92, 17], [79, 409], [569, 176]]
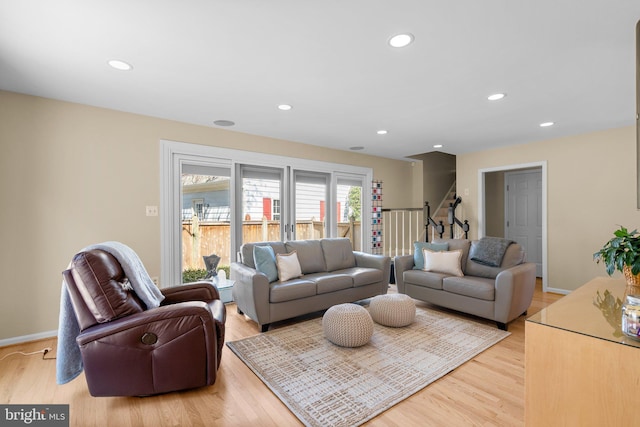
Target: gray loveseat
[[500, 293], [332, 273]]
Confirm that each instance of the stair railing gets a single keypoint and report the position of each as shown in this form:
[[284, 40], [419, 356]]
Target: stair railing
[[428, 221], [439, 227], [452, 220]]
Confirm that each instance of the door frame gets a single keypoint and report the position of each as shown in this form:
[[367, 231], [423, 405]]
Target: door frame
[[481, 208]]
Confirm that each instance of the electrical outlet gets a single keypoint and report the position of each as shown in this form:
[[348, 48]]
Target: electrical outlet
[[155, 281], [152, 211]]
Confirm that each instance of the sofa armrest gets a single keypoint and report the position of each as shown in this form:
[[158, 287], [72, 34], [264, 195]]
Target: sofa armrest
[[379, 262], [514, 291], [251, 292], [400, 265]]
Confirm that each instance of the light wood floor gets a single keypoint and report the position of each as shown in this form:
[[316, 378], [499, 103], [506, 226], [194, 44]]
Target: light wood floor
[[486, 391]]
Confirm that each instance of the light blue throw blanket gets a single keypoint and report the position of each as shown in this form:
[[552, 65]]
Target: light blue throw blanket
[[68, 358]]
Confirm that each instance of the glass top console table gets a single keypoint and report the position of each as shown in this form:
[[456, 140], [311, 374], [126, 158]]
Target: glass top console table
[[580, 369]]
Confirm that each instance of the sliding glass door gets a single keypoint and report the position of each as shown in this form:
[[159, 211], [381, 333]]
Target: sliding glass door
[[262, 196], [309, 202], [215, 199], [205, 220], [349, 206]]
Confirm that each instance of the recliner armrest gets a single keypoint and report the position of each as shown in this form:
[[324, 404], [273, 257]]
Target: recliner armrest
[[161, 315], [194, 291]]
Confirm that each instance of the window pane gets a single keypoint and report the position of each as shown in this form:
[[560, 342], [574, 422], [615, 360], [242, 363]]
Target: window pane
[[261, 208], [310, 200], [349, 206], [206, 221]]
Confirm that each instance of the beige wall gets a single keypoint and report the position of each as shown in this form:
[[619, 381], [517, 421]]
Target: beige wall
[[591, 189], [74, 175], [440, 168]]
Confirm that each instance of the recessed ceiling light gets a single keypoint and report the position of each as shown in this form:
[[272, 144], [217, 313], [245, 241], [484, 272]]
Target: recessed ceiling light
[[285, 107], [120, 65], [224, 123], [437, 146], [382, 132], [496, 96], [401, 40], [357, 148], [546, 124]]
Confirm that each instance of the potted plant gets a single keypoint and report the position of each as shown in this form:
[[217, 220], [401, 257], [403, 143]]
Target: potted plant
[[622, 253]]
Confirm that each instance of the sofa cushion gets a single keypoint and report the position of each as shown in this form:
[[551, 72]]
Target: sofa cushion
[[474, 287], [265, 260], [246, 251], [447, 262], [338, 254], [455, 244], [330, 282], [292, 290], [424, 278], [418, 257], [288, 266], [309, 254], [514, 255], [362, 276]]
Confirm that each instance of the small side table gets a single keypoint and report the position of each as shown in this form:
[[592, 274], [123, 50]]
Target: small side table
[[225, 287]]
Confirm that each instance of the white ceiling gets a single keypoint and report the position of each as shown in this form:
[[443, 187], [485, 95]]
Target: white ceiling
[[571, 62]]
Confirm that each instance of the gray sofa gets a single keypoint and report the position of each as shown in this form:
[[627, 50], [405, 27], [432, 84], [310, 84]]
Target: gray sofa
[[332, 273], [500, 293]]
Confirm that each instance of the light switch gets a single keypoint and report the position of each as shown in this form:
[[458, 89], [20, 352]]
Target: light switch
[[152, 211]]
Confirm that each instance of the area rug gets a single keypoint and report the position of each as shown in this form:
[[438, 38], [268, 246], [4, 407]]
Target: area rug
[[327, 385]]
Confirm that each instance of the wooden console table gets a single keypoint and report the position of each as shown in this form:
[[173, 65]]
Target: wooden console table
[[580, 370]]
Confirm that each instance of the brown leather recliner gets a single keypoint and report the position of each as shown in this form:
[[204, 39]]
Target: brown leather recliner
[[129, 350]]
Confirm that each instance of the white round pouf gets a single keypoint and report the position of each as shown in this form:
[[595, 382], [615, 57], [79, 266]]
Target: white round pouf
[[395, 310], [347, 325]]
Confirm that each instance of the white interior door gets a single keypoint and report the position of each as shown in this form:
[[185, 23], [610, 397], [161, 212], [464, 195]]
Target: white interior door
[[523, 195]]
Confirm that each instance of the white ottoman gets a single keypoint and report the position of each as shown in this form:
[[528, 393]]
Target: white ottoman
[[347, 325], [394, 310]]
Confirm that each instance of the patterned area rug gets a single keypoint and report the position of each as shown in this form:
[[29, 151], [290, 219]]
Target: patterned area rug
[[327, 385]]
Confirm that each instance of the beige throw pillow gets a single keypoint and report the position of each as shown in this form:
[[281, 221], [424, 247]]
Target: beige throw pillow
[[443, 262], [288, 266]]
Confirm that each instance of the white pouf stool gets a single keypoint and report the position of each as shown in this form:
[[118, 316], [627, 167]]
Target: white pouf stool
[[347, 325], [394, 310]]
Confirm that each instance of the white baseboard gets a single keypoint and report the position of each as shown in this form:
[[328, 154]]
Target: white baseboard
[[28, 338], [558, 291]]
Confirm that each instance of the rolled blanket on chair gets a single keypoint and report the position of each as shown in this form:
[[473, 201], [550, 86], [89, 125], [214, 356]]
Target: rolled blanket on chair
[[490, 251], [68, 358]]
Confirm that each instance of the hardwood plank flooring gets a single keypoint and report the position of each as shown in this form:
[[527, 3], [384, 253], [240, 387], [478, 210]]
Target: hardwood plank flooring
[[486, 391]]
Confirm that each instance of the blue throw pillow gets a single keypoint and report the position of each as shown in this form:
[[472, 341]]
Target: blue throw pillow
[[265, 260], [418, 257]]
